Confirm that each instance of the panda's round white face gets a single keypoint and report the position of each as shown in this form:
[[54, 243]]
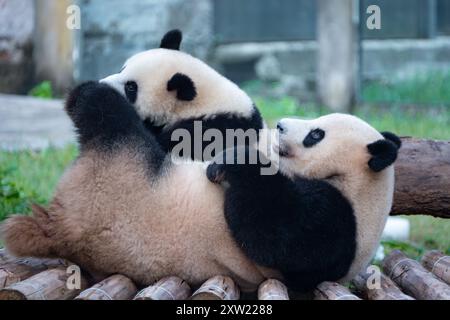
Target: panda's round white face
[[169, 85], [331, 146]]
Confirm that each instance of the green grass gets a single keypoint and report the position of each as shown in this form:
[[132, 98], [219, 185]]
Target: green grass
[[30, 177], [43, 90], [432, 123], [426, 88], [427, 233]]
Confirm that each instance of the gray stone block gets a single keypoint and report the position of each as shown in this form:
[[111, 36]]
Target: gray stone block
[[16, 30], [113, 30]]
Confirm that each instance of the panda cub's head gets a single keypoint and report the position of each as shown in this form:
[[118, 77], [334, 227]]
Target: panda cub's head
[[334, 146], [352, 156], [166, 85]]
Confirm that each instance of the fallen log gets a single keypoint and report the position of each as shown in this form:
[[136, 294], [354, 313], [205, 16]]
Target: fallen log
[[438, 264], [217, 288], [116, 287], [413, 278], [47, 285], [386, 289], [13, 270], [170, 288], [333, 291], [272, 290], [422, 185]]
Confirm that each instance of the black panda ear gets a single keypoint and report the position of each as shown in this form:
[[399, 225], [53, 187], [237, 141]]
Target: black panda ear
[[384, 153], [172, 40], [184, 86], [392, 137]]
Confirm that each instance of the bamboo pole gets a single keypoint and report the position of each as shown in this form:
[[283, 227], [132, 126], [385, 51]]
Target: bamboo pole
[[170, 288], [413, 278], [333, 291], [272, 289], [4, 257], [387, 289], [13, 270], [47, 285], [116, 287], [217, 288], [438, 264]]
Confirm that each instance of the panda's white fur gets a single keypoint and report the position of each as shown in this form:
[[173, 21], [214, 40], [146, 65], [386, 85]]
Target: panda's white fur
[[152, 69], [123, 207], [342, 161]]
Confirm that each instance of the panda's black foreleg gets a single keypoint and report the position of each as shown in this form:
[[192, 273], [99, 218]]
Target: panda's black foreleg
[[255, 205], [99, 112], [106, 121], [239, 165]]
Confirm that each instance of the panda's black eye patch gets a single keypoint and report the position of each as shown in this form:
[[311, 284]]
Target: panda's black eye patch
[[313, 138], [131, 90]]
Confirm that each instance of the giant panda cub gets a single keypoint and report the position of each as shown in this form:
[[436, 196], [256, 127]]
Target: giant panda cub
[[322, 215], [125, 207], [172, 90]]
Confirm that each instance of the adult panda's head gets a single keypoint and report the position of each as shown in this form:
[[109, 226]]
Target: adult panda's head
[[167, 85], [355, 158]]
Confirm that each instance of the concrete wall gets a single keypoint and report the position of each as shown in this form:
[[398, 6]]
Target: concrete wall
[[294, 64], [54, 44], [16, 30], [113, 30]]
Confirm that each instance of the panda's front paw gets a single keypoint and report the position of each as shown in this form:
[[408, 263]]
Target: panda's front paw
[[77, 95], [216, 172], [92, 95]]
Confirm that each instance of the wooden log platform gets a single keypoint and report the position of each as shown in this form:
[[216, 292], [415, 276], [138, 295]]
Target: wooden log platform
[[333, 291], [386, 289], [438, 264], [272, 290], [15, 270], [47, 285], [217, 288], [402, 279], [422, 184], [414, 279], [170, 288], [116, 287]]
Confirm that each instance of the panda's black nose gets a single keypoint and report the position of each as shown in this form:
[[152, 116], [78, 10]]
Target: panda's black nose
[[281, 128]]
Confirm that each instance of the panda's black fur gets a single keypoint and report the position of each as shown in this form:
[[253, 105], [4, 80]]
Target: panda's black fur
[[104, 120], [304, 228], [221, 122]]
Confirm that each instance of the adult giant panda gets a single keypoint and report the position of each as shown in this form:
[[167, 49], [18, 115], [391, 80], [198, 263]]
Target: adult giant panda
[[172, 90], [124, 207]]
